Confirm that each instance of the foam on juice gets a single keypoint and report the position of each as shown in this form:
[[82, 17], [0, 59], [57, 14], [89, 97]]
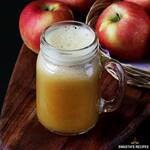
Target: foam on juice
[[70, 37]]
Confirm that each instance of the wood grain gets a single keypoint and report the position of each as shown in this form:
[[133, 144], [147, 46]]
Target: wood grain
[[20, 129]]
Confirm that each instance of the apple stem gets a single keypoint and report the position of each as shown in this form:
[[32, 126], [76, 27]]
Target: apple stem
[[116, 18], [49, 8]]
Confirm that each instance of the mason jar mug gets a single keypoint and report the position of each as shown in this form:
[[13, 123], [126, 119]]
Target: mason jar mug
[[68, 75]]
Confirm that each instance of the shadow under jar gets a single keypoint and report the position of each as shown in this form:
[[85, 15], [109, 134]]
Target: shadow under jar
[[68, 74]]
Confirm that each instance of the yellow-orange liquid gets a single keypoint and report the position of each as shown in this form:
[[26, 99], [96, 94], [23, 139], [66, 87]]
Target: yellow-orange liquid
[[67, 98]]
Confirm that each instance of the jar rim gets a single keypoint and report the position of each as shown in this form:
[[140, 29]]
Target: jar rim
[[68, 22], [68, 56]]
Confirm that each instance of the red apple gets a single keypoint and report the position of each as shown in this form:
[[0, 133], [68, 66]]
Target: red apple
[[144, 3], [124, 29], [79, 5], [37, 16]]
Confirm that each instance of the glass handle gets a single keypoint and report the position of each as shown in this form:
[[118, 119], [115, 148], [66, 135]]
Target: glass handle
[[116, 70]]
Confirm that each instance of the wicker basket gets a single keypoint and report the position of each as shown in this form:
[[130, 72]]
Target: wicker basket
[[136, 76]]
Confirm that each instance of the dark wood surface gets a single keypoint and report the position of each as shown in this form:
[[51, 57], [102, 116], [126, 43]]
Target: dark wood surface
[[20, 130]]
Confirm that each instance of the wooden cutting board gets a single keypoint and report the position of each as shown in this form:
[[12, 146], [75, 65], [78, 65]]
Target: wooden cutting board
[[20, 129]]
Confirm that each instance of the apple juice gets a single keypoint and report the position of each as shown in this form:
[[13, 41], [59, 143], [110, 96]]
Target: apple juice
[[67, 79]]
